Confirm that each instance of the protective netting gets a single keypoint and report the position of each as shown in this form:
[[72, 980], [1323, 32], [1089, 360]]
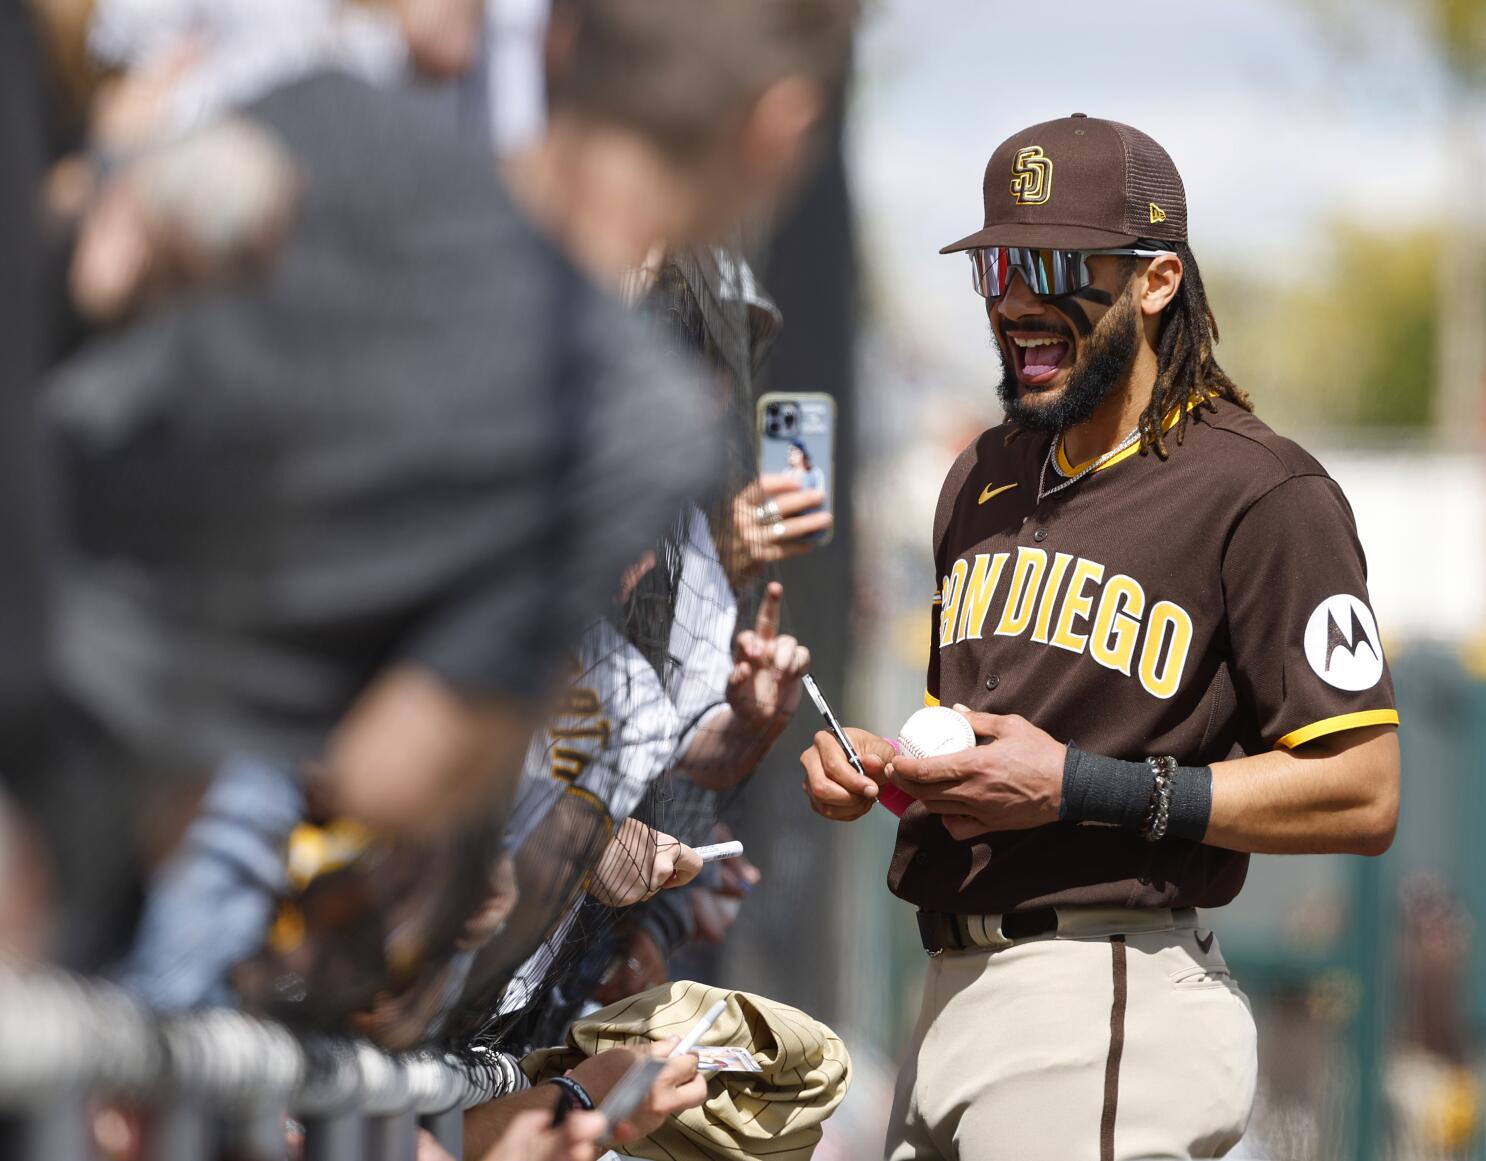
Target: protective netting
[[641, 751], [638, 751]]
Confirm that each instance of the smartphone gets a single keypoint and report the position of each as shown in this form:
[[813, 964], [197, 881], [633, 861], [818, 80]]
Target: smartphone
[[631, 1090], [797, 437]]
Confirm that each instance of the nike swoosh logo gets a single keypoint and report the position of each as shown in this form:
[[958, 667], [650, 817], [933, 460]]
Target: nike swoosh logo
[[990, 491], [1205, 944]]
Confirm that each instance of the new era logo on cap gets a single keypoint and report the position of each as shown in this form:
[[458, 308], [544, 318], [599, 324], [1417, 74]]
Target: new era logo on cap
[[1114, 185]]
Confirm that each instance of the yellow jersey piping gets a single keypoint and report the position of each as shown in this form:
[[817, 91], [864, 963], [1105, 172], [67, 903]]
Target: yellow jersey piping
[[1166, 425], [1379, 717]]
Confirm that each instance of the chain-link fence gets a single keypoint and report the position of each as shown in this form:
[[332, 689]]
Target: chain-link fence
[[75, 1053]]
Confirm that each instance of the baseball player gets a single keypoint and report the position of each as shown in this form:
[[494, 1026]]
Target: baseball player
[[1154, 613]]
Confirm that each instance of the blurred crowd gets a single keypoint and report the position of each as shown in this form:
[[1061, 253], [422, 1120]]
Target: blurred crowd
[[388, 611]]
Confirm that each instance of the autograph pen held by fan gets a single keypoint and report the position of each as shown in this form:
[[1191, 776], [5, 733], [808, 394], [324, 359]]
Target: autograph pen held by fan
[[699, 1029], [728, 850]]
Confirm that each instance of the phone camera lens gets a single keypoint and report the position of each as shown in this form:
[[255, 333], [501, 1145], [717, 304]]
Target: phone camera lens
[[781, 420]]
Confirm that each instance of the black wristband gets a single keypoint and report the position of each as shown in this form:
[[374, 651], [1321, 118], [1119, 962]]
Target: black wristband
[[573, 1093], [1191, 802], [1100, 789], [1108, 790]]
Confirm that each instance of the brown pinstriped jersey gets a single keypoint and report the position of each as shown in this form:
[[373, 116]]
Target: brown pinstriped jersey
[[1208, 606]]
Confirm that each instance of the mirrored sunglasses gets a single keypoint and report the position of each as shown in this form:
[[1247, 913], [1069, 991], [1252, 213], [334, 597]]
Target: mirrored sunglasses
[[1044, 271]]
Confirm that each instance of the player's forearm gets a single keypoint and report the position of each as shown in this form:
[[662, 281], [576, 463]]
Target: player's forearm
[[1334, 796]]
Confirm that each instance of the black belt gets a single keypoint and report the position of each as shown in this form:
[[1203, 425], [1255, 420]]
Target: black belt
[[941, 931]]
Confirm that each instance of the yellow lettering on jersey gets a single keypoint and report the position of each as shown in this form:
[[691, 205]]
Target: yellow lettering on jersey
[[1162, 663], [1021, 598], [979, 589], [582, 702], [1067, 603], [1061, 561], [580, 699], [1117, 623], [568, 765], [954, 590], [598, 731], [1076, 606]]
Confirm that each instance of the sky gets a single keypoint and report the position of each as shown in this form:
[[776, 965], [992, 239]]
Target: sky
[[1280, 121]]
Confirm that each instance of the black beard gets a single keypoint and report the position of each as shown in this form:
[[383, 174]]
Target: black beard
[[1108, 354]]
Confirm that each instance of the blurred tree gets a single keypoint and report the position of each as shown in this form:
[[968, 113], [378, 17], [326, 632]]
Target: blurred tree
[[1386, 329], [1460, 26], [1457, 28], [1356, 346], [1457, 31]]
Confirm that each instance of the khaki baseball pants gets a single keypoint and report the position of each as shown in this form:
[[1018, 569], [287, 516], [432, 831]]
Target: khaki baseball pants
[[1102, 1043]]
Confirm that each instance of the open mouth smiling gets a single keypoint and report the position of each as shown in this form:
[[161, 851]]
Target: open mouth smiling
[[1039, 355]]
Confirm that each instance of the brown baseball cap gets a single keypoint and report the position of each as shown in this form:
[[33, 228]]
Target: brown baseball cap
[[1079, 183]]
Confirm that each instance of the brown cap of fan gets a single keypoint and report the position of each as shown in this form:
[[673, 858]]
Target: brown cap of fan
[[1079, 183]]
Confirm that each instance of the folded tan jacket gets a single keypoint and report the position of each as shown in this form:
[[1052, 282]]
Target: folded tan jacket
[[774, 1114]]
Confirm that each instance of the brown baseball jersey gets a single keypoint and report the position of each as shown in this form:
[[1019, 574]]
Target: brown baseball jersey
[[1209, 606]]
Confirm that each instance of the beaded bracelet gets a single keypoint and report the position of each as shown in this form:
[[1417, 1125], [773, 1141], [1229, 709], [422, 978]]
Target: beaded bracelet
[[1158, 817]]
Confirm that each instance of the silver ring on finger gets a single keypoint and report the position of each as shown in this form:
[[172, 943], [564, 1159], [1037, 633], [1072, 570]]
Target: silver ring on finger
[[776, 530], [768, 513]]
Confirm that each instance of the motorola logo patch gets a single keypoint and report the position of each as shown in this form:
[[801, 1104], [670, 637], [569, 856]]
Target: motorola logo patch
[[1342, 645]]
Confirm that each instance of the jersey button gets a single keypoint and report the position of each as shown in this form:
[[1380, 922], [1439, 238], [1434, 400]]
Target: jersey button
[[1040, 535], [992, 681]]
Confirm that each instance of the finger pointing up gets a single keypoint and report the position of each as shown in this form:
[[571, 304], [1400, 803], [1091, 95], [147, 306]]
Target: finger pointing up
[[767, 622]]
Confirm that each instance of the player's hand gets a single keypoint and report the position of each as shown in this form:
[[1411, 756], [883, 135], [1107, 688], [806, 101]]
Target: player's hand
[[530, 1137], [679, 1086], [764, 686], [1013, 780], [755, 544], [835, 789], [640, 861]]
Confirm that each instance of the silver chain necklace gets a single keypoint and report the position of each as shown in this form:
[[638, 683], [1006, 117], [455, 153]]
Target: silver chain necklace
[[1044, 492]]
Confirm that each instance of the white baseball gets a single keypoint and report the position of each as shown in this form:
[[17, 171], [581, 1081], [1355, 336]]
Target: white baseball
[[935, 730]]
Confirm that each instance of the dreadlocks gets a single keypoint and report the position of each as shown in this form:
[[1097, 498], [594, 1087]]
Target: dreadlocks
[[1185, 366]]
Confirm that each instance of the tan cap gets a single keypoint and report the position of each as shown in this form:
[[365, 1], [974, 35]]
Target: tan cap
[[1079, 183]]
